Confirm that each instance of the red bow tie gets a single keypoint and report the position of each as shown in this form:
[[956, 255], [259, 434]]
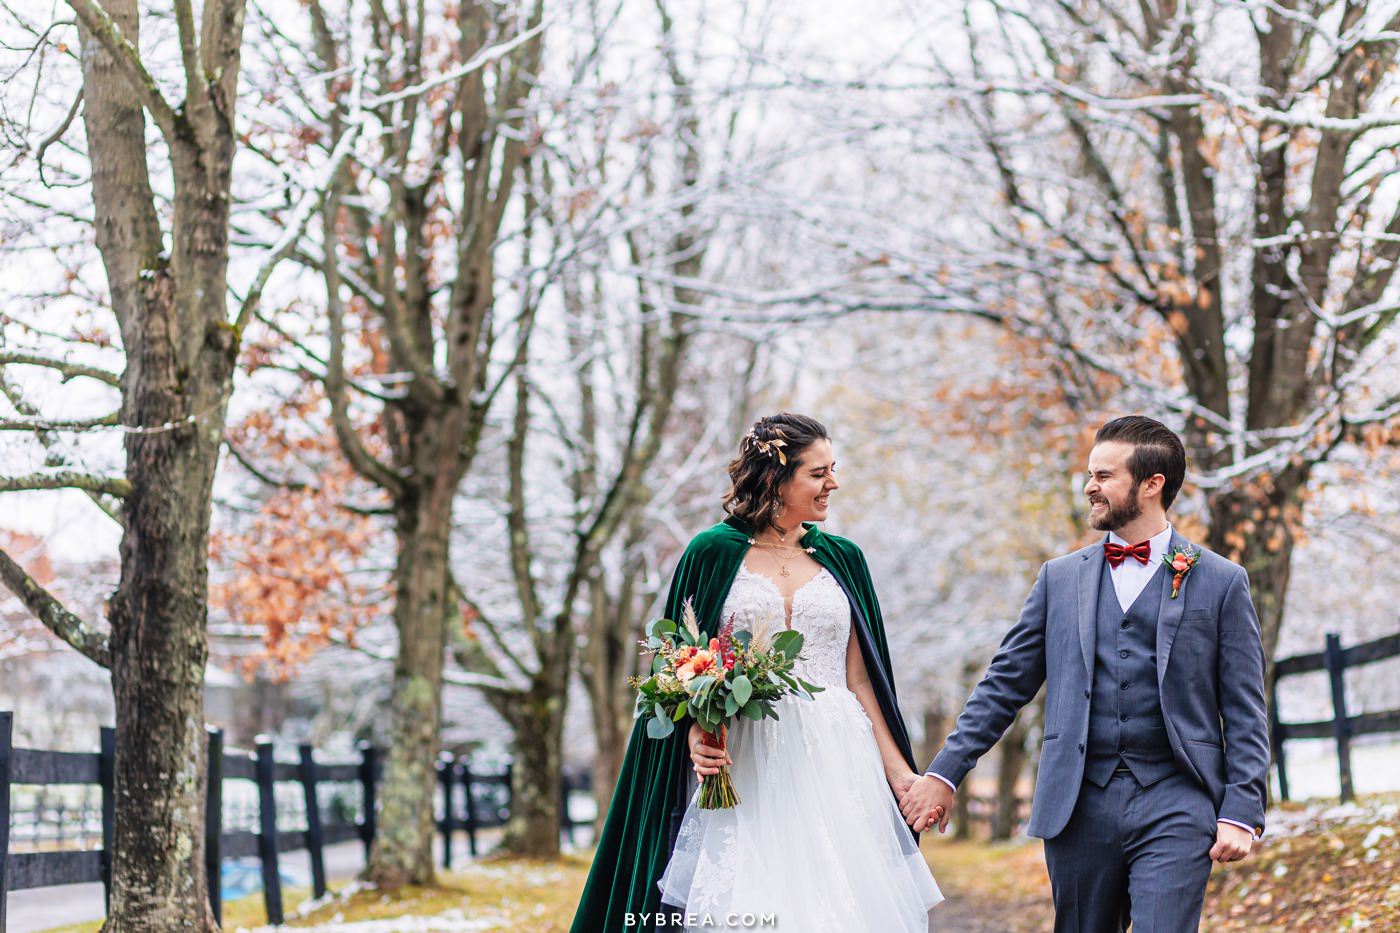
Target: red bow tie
[[1117, 553]]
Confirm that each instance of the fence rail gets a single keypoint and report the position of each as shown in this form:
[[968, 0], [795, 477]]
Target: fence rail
[[471, 802], [1342, 727]]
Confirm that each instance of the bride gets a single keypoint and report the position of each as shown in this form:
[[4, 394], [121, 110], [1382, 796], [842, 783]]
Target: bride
[[817, 841]]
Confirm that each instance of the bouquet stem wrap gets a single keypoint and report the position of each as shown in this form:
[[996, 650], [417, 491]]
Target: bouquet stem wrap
[[717, 790]]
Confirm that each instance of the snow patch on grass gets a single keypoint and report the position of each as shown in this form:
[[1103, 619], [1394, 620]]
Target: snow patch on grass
[[449, 921]]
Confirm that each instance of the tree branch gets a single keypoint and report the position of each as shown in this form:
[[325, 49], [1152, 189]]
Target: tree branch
[[51, 424], [128, 59], [68, 368], [67, 479], [84, 638]]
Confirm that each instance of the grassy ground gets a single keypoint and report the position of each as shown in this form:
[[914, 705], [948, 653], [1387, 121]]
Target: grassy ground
[[1323, 868], [1320, 869]]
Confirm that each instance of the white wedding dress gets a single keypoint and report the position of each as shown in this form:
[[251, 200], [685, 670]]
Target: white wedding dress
[[817, 839]]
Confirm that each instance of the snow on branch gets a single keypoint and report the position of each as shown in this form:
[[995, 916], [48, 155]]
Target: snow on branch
[[59, 424], [1361, 124], [67, 479], [48, 610], [128, 59], [478, 61], [310, 203], [67, 368]]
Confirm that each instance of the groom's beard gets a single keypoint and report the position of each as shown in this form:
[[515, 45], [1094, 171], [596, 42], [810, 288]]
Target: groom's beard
[[1116, 516]]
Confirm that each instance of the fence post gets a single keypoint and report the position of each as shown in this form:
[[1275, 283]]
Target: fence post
[[214, 824], [315, 841], [6, 737], [1276, 739], [1341, 725], [107, 779], [444, 775], [471, 806], [267, 830], [368, 764]]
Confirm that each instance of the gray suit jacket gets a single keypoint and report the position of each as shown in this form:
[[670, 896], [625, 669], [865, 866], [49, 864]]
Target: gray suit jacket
[[1210, 671]]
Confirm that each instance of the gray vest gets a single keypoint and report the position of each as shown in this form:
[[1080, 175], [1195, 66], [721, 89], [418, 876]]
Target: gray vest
[[1125, 715]]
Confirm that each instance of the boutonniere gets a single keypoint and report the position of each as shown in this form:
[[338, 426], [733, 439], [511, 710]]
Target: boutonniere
[[1180, 561]]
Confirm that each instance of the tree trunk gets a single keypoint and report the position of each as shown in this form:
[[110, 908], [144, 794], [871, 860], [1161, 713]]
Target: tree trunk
[[608, 661], [962, 828], [403, 846], [180, 356], [1257, 527], [1011, 762], [538, 720], [159, 644], [935, 729]]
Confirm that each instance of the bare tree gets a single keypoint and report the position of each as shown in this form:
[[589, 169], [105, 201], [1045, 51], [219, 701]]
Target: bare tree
[[1243, 221], [166, 283], [630, 193], [1188, 205], [433, 109]]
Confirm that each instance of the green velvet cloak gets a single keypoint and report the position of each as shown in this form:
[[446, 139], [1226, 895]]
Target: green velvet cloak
[[652, 790]]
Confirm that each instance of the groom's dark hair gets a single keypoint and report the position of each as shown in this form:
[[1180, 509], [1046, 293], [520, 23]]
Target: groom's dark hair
[[1156, 449]]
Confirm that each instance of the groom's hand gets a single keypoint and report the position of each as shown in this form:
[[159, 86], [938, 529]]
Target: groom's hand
[[929, 801], [1232, 843]]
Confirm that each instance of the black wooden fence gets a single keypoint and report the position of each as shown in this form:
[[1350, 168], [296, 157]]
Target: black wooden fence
[[471, 802], [1334, 659]]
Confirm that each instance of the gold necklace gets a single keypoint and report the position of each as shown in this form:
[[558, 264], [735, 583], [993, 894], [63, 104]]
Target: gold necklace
[[780, 561]]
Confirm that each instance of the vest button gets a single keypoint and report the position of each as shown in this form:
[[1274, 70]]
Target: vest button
[[1081, 747], [1122, 717], [1126, 623], [1123, 654], [1124, 685], [1086, 694]]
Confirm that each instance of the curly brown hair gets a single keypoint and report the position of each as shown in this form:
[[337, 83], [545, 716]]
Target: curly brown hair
[[768, 456]]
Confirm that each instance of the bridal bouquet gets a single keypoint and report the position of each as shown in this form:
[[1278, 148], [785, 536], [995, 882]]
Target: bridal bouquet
[[735, 674]]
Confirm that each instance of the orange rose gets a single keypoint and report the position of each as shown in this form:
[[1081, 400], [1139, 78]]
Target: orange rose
[[1181, 564]]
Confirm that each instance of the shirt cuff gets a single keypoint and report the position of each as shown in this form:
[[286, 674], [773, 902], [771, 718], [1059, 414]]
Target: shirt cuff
[[943, 779], [1249, 829]]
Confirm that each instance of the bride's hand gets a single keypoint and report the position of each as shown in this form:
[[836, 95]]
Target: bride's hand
[[706, 758], [901, 782]]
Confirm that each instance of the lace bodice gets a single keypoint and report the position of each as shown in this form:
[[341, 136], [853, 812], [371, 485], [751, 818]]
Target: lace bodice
[[820, 611]]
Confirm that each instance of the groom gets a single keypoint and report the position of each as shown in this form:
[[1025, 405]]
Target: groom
[[1155, 757]]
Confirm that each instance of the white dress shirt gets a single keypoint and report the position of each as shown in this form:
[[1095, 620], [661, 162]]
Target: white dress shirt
[[1131, 577]]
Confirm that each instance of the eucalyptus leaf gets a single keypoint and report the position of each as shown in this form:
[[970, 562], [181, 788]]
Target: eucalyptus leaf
[[680, 712], [788, 643], [742, 688], [753, 711], [659, 728]]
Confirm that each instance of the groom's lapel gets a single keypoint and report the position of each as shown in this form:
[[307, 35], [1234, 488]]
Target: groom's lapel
[[1090, 577], [1169, 611]]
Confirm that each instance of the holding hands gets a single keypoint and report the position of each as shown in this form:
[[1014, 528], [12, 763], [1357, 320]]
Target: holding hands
[[927, 801]]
